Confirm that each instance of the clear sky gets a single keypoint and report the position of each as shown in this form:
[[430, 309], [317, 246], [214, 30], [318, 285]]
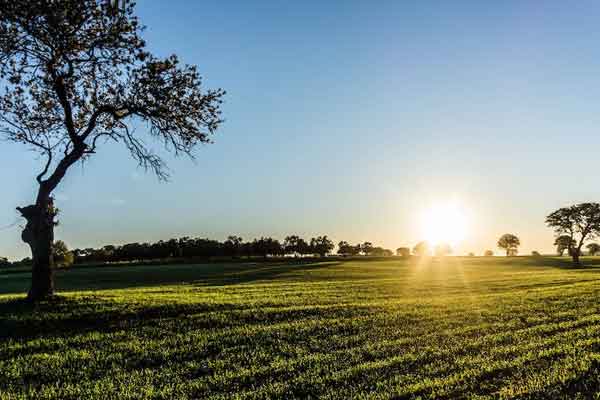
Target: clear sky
[[348, 119]]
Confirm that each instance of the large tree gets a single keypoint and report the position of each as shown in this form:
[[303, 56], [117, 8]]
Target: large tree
[[76, 74], [510, 243], [579, 222]]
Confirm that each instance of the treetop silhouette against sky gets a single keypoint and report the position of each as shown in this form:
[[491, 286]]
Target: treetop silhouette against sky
[[349, 118]]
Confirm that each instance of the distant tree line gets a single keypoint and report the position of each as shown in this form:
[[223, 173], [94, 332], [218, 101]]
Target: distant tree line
[[574, 226], [366, 249], [202, 248], [187, 247]]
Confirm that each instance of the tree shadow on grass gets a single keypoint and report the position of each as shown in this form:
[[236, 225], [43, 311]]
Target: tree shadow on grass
[[65, 315], [123, 277], [60, 315]]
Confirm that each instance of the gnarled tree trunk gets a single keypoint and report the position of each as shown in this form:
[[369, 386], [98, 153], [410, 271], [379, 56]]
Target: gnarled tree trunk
[[39, 235]]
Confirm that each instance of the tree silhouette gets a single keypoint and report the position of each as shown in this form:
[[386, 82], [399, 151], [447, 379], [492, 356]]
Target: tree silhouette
[[366, 248], [294, 244], [579, 222], [266, 246], [593, 249], [76, 74], [564, 242], [233, 246], [345, 248], [510, 243], [488, 253], [321, 245]]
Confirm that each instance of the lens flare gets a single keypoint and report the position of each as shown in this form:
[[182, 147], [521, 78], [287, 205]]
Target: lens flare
[[444, 223]]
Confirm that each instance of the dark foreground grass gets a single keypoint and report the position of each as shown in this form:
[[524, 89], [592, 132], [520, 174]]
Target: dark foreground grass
[[454, 328]]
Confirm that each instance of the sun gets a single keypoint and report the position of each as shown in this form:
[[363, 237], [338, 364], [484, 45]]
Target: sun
[[444, 223]]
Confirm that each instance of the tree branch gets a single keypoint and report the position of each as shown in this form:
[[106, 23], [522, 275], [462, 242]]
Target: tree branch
[[45, 170]]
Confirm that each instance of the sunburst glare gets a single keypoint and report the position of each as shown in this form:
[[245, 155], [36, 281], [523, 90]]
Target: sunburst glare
[[444, 222]]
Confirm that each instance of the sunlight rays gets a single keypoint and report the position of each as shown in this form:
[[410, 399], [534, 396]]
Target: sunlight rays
[[444, 223]]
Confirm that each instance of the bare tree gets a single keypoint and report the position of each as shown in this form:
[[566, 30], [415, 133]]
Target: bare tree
[[76, 73]]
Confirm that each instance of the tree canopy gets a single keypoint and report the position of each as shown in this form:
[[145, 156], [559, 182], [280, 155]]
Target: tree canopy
[[510, 243], [579, 222], [76, 74], [593, 249], [564, 242]]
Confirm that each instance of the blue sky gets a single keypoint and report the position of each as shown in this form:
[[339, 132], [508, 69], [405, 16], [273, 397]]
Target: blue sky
[[349, 118]]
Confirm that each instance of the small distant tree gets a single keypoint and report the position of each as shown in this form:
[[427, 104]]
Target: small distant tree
[[442, 249], [564, 242], [510, 243], [593, 249], [62, 256], [266, 246], [4, 262], [403, 251], [321, 245], [535, 253], [579, 222], [488, 253], [303, 247], [366, 248], [346, 249], [380, 252], [292, 245], [421, 249], [232, 246]]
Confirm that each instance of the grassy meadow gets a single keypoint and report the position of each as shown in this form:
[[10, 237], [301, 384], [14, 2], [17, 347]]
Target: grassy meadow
[[358, 329]]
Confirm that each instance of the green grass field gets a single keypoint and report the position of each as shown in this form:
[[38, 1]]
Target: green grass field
[[454, 328]]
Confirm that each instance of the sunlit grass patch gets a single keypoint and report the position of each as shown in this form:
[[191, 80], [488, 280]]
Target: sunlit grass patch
[[444, 328]]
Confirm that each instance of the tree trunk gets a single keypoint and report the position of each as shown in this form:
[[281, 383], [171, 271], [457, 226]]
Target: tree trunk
[[39, 235], [575, 255]]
